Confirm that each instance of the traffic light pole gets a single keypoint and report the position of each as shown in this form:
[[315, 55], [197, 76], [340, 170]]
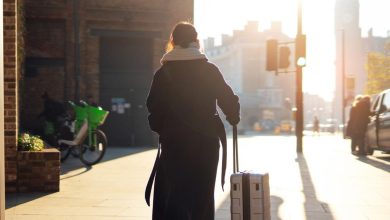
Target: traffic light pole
[[299, 114], [274, 62], [299, 94]]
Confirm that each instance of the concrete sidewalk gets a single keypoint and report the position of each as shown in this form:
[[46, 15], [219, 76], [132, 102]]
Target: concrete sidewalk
[[326, 182]]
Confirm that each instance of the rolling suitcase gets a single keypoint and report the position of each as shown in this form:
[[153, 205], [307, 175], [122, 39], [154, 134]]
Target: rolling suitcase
[[249, 191]]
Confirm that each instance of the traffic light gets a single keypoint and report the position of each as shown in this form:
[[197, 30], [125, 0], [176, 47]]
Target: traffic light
[[284, 57], [300, 47], [272, 55]]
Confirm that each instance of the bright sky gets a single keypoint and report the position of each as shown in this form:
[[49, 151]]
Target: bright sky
[[216, 17]]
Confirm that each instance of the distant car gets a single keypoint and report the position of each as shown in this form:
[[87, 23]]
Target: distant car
[[378, 129], [287, 126], [268, 125], [257, 126]]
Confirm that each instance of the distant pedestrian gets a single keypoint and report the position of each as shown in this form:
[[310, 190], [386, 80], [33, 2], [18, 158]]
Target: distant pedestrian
[[357, 124], [182, 106], [352, 122], [316, 125]]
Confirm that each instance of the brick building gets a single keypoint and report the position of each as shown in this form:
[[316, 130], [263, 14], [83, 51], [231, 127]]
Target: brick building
[[106, 51], [2, 163], [10, 88], [356, 49]]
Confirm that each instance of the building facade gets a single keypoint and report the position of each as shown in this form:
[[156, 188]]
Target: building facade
[[2, 161], [242, 60], [10, 89], [99, 51], [351, 53], [105, 51]]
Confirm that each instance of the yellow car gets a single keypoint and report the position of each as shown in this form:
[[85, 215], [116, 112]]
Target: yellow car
[[286, 126]]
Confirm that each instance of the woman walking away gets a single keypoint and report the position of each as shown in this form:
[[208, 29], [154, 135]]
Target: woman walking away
[[182, 106]]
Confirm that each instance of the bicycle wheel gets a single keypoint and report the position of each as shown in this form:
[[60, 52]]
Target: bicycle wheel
[[92, 154], [64, 151]]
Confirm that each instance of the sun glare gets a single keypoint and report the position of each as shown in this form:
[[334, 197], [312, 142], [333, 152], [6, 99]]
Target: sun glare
[[214, 22], [216, 17]]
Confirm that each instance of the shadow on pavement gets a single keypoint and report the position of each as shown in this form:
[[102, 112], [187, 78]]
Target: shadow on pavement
[[15, 199], [381, 162], [223, 211], [314, 209], [71, 164], [384, 157], [112, 153]]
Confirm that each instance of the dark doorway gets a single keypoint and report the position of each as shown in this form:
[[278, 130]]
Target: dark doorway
[[126, 71]]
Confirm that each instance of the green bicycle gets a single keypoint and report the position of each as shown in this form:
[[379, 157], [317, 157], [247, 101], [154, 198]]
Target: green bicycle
[[89, 142]]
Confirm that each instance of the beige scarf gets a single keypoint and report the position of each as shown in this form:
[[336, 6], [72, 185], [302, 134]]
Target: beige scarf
[[178, 53]]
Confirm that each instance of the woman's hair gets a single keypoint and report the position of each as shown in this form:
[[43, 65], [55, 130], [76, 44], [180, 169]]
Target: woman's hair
[[182, 35]]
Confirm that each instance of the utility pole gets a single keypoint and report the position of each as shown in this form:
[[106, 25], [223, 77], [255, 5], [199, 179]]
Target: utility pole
[[299, 94], [278, 57]]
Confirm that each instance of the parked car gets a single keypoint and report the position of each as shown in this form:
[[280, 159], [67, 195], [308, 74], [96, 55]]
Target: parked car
[[378, 129]]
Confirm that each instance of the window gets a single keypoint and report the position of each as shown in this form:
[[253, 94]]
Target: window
[[375, 105], [386, 100]]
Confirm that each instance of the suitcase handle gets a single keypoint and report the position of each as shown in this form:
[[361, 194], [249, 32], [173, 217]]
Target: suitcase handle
[[235, 150]]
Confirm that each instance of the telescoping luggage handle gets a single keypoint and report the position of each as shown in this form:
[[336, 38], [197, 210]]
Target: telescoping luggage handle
[[235, 150]]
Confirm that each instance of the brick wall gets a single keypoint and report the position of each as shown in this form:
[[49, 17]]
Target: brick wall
[[141, 16], [39, 171], [10, 95], [126, 15], [45, 68], [118, 15], [2, 161]]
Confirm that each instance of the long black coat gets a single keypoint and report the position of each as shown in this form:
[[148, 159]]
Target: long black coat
[[182, 105]]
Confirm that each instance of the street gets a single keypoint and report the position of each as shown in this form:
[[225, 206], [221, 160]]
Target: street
[[325, 182]]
